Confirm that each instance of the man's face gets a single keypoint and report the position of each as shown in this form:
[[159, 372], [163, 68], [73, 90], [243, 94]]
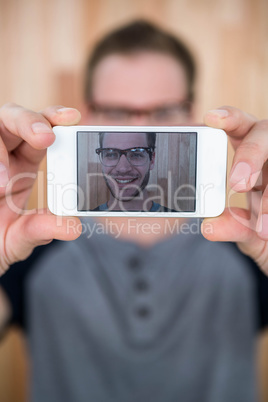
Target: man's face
[[137, 89], [124, 180], [141, 83]]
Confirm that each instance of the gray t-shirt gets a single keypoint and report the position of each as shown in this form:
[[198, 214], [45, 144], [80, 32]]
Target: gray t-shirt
[[110, 321]]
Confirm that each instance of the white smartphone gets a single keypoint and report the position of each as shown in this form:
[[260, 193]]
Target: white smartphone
[[137, 171]]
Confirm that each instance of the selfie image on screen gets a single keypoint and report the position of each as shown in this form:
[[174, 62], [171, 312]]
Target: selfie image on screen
[[136, 171]]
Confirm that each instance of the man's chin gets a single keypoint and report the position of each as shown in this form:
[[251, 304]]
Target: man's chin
[[125, 198], [125, 195]]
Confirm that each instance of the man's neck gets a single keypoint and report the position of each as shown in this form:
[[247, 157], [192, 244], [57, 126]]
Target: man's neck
[[135, 204]]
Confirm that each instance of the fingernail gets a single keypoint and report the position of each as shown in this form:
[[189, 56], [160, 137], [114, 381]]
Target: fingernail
[[64, 109], [4, 178], [240, 176], [262, 225], [41, 128], [222, 113]]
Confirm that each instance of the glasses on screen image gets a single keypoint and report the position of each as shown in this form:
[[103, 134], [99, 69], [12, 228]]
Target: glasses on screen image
[[135, 156]]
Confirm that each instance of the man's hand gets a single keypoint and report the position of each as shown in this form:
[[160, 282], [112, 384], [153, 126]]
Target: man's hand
[[24, 137], [249, 173]]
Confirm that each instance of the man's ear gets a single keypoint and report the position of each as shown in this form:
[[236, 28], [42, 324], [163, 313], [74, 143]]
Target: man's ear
[[152, 161]]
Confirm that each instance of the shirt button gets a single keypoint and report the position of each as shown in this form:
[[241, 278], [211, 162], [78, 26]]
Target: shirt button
[[141, 285], [143, 312], [134, 262]]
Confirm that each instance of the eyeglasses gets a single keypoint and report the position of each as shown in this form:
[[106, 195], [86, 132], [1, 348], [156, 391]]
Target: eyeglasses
[[171, 113], [135, 156]]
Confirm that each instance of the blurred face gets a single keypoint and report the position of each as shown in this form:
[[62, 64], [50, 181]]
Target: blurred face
[[125, 180], [146, 88]]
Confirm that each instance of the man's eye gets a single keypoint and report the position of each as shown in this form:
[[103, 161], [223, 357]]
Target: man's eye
[[137, 155], [110, 155], [115, 114], [162, 114], [169, 113]]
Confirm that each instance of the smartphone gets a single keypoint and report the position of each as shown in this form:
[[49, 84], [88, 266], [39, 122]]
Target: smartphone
[[137, 171]]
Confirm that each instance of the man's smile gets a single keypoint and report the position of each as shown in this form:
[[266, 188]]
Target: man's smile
[[125, 180]]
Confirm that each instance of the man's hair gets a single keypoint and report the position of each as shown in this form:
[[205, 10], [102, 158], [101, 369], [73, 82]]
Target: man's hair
[[140, 36], [151, 138]]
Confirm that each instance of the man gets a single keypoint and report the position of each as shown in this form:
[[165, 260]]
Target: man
[[126, 163], [117, 320]]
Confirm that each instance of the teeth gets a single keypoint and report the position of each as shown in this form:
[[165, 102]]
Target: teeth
[[124, 181]]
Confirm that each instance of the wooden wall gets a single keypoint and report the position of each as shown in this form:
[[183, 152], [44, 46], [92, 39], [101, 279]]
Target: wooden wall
[[43, 47]]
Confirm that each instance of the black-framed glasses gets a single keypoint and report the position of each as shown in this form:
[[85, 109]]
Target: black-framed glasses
[[135, 156], [166, 113]]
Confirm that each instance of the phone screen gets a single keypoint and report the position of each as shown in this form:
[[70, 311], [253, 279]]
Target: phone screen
[[136, 171]]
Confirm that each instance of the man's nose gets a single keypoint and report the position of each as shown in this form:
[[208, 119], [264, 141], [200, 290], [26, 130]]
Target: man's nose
[[123, 164], [140, 119]]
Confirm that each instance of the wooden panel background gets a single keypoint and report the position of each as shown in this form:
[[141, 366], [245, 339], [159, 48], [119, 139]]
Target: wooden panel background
[[43, 46], [172, 180]]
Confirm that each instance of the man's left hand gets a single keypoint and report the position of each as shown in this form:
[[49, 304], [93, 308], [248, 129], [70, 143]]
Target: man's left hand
[[249, 173]]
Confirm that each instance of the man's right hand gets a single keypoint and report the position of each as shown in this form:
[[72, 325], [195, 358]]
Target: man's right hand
[[24, 137]]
